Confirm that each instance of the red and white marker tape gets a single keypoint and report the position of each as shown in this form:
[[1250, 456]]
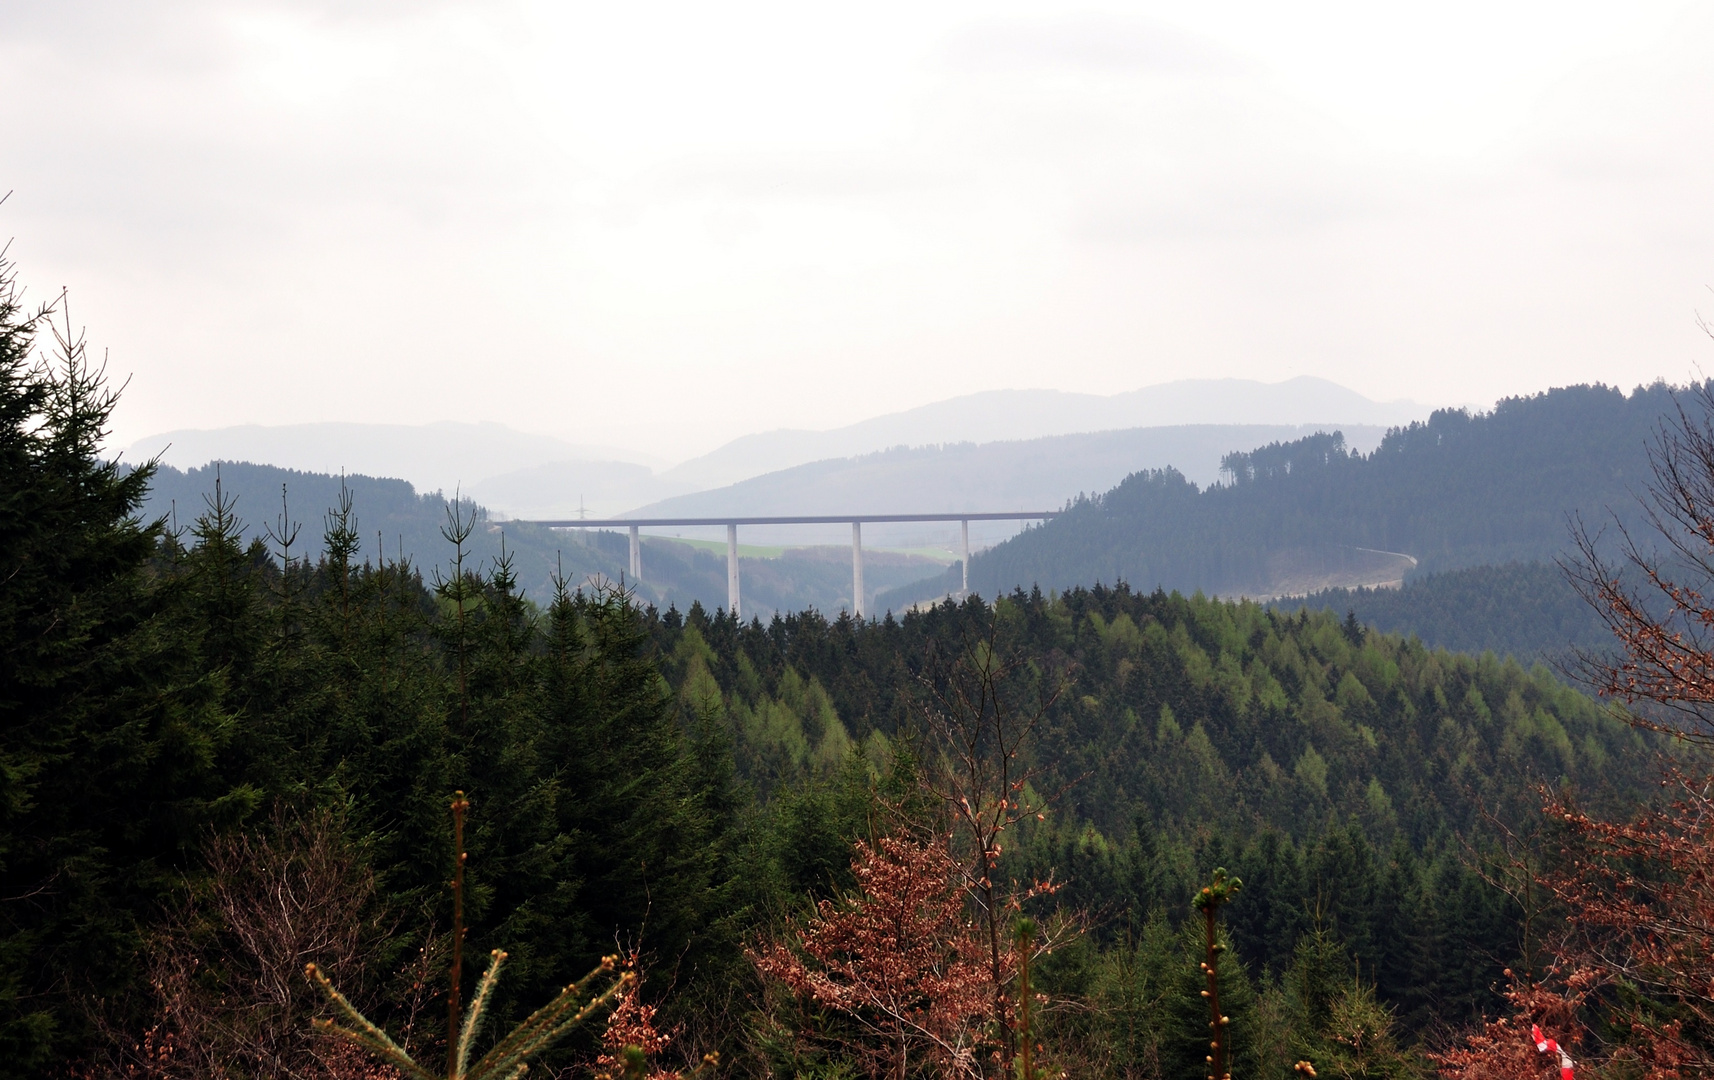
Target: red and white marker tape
[[1548, 1046]]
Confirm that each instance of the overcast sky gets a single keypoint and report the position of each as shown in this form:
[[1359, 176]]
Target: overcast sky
[[667, 225]]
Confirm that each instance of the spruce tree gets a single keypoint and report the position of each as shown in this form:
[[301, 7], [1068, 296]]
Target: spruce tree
[[109, 730], [1186, 1048], [1338, 1026]]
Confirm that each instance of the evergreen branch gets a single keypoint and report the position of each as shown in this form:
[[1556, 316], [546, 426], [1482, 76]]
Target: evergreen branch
[[505, 1061], [525, 1039], [544, 1025], [478, 1004], [365, 1032], [382, 1047], [584, 1013]]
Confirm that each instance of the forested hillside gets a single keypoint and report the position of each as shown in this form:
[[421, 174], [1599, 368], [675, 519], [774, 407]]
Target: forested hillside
[[1455, 491], [389, 517], [1525, 610], [1339, 771]]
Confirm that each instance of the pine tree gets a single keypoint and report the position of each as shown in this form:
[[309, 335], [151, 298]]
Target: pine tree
[[108, 731], [1208, 902], [1185, 1043]]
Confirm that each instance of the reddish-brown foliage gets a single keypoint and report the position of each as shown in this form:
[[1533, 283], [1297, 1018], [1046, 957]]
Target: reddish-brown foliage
[[1630, 974], [1504, 1050], [1640, 897], [982, 707], [901, 958], [632, 1024]]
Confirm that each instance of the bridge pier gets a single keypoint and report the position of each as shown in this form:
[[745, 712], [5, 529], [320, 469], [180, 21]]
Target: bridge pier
[[732, 568], [857, 569], [964, 518], [964, 553]]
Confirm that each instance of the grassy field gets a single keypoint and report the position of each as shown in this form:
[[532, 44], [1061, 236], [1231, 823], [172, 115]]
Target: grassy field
[[758, 551], [745, 551]]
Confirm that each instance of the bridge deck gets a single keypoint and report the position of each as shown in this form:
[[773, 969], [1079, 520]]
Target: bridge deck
[[814, 519], [856, 521]]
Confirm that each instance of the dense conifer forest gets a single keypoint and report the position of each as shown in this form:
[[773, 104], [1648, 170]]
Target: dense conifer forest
[[1525, 610], [196, 726], [1334, 766]]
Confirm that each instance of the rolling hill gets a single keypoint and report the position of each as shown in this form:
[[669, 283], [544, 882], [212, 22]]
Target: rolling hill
[[523, 475], [1458, 490], [1526, 610]]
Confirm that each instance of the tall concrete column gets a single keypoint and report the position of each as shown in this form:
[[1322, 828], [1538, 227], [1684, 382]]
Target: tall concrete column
[[964, 553], [732, 569], [636, 556], [857, 568]]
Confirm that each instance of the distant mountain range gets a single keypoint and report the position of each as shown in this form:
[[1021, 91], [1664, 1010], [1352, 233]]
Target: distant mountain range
[[569, 489], [434, 457], [1010, 415], [1469, 509], [518, 474]]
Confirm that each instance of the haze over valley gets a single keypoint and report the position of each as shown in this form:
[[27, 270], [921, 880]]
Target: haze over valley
[[1194, 507], [1188, 424], [927, 460]]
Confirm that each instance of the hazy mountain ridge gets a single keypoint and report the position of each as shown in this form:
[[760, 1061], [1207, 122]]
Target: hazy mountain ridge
[[1010, 415], [524, 475], [392, 519], [1042, 473], [1496, 485], [443, 456], [568, 489]]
